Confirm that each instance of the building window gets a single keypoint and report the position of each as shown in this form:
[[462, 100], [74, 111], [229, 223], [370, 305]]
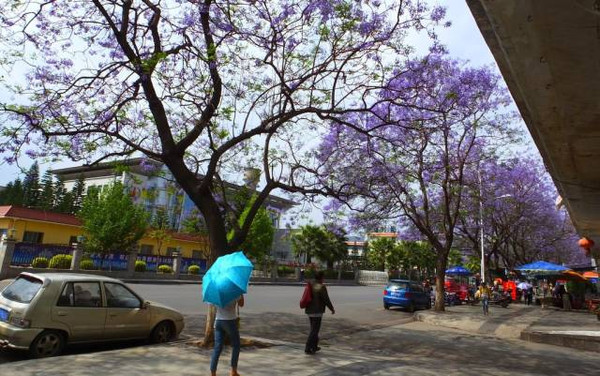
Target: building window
[[33, 237], [3, 231], [196, 254], [146, 249], [171, 250], [72, 240]]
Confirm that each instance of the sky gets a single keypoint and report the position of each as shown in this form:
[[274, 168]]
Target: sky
[[463, 40]]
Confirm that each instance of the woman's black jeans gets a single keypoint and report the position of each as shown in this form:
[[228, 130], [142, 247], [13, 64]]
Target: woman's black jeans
[[313, 338]]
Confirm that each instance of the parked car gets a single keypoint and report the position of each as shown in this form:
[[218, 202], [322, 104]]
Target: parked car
[[407, 294], [4, 283], [42, 313]]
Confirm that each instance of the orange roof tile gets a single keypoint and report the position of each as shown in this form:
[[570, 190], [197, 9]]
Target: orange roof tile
[[38, 215], [384, 234]]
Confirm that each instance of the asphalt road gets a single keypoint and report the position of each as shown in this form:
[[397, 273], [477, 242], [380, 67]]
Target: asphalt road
[[362, 304], [362, 324]]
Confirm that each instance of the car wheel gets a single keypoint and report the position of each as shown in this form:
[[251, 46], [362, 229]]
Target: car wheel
[[411, 307], [386, 306], [163, 332], [46, 344]]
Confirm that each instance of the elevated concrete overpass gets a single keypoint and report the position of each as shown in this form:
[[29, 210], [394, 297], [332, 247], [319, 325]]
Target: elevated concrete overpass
[[549, 54]]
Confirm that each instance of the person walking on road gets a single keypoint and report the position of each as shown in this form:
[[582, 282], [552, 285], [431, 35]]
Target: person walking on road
[[315, 310], [484, 294], [226, 323]]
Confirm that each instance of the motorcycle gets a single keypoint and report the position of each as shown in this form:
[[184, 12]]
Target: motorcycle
[[502, 299], [451, 299]]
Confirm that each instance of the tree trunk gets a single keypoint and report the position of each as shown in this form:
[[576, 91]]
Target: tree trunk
[[217, 236], [209, 332], [440, 273]]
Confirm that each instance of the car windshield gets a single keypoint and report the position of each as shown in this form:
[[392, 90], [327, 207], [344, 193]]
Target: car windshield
[[23, 289], [398, 286]]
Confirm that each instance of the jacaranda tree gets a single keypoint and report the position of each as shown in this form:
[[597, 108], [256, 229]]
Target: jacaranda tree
[[520, 221], [204, 86], [407, 159]]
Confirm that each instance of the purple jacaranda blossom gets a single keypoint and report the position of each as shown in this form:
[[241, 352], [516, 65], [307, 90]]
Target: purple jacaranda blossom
[[149, 167], [410, 156], [438, 13], [189, 19]]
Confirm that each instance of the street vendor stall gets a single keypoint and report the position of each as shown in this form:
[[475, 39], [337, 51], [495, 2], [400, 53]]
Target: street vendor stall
[[457, 282], [547, 271]]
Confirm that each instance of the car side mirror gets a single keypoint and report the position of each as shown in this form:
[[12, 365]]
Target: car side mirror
[[145, 304]]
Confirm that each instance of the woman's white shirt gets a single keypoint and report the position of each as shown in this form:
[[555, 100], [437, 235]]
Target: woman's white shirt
[[228, 312]]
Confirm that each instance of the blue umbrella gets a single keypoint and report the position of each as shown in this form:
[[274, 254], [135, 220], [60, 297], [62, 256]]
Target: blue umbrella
[[541, 268], [458, 270], [226, 279]]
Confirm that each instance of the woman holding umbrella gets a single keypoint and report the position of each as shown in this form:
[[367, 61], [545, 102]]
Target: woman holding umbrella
[[226, 324], [223, 286]]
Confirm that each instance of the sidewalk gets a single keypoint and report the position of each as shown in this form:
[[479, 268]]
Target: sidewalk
[[182, 360], [376, 352], [576, 329]]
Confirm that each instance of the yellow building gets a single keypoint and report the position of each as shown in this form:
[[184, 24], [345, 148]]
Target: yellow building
[[41, 227]]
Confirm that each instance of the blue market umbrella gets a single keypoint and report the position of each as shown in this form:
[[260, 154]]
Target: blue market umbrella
[[542, 268], [458, 270], [226, 279]]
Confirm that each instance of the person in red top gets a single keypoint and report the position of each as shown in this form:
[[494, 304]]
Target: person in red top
[[512, 287], [315, 310]]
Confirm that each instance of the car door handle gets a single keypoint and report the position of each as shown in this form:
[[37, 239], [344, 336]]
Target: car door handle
[[62, 313], [113, 314]]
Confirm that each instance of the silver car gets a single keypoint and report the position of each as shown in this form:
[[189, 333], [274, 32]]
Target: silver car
[[43, 312]]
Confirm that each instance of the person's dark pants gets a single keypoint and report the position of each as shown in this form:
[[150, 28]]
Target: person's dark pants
[[313, 338]]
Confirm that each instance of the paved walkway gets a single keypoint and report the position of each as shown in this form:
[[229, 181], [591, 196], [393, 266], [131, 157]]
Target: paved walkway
[[577, 329], [375, 352]]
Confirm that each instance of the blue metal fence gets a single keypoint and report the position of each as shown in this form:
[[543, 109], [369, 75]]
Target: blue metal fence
[[113, 262], [152, 262], [25, 252], [187, 262]]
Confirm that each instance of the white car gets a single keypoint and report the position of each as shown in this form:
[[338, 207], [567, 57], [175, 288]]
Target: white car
[[44, 312]]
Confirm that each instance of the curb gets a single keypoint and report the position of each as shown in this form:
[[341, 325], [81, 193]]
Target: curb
[[564, 338], [577, 339]]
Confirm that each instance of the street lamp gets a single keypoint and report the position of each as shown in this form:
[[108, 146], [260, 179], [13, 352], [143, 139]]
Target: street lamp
[[481, 223]]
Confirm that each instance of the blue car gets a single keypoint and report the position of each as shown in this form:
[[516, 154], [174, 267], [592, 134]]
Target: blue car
[[406, 294]]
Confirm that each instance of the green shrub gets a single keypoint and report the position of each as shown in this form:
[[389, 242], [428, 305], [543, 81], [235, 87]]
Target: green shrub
[[330, 273], [87, 265], [140, 266], [167, 269], [194, 269], [40, 262], [284, 269], [60, 262]]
